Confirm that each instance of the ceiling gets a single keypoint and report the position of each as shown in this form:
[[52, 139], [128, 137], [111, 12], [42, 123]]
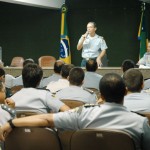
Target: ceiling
[[54, 4]]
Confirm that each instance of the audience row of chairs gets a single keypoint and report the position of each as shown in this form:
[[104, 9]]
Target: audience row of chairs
[[26, 138], [44, 61]]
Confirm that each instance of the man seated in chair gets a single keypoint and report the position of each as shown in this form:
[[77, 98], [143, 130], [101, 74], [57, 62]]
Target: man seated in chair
[[55, 76], [127, 64], [144, 62], [18, 80], [91, 79], [32, 99], [112, 115], [62, 83], [2, 79], [8, 78], [135, 100], [75, 91], [4, 115]]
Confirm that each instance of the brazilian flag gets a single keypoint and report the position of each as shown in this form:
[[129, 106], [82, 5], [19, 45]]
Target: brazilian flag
[[64, 41], [142, 33]]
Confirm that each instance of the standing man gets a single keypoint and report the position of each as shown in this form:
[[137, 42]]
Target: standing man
[[93, 46]]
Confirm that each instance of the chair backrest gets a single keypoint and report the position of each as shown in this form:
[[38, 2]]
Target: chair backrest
[[16, 88], [46, 61], [72, 103], [32, 138], [88, 139], [17, 62], [65, 138]]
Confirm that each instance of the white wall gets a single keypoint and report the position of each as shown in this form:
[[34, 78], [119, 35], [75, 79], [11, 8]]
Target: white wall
[[54, 4]]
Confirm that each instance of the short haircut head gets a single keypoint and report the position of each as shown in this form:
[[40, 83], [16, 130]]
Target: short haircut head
[[58, 66], [76, 76], [91, 65], [32, 75], [133, 79], [2, 72], [66, 69], [112, 88], [27, 61], [127, 64], [94, 24]]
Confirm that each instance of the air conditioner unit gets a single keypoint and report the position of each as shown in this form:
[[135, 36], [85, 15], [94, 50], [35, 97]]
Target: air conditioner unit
[[146, 1]]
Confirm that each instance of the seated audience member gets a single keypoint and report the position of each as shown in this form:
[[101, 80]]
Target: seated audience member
[[4, 115], [135, 100], [8, 78], [145, 60], [91, 79], [2, 79], [63, 82], [112, 115], [55, 76], [32, 99], [18, 80], [75, 90], [127, 64]]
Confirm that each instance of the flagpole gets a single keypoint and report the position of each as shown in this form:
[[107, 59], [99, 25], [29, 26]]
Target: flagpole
[[65, 54]]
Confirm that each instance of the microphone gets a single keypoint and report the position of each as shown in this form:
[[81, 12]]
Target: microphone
[[87, 33]]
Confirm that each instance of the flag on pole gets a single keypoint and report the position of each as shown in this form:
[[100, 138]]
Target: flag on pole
[[65, 54], [142, 33]]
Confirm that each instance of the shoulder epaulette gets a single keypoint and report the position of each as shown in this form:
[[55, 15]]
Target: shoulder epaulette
[[91, 105], [138, 113], [43, 89], [88, 90]]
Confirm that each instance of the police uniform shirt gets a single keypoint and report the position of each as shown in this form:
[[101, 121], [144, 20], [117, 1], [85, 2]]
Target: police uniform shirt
[[91, 80], [36, 100], [18, 81], [77, 93], [146, 84], [4, 116], [9, 80], [55, 86], [92, 46], [137, 102], [108, 115], [45, 81]]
